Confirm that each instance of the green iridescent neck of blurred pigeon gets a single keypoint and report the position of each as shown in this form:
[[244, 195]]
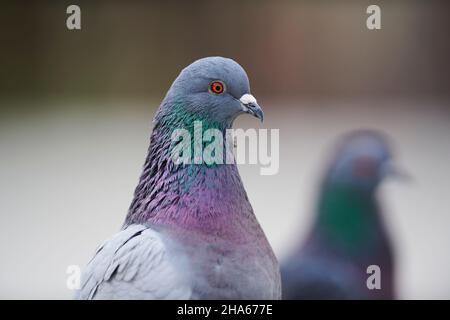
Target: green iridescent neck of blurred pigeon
[[347, 217]]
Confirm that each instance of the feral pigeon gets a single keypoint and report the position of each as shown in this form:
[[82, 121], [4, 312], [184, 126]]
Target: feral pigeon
[[190, 232], [348, 234]]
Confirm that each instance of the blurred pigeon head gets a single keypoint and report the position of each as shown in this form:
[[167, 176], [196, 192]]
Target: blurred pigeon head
[[213, 89], [363, 158]]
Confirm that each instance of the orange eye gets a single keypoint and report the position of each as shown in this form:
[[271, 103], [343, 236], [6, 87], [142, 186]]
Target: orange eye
[[365, 167], [217, 87]]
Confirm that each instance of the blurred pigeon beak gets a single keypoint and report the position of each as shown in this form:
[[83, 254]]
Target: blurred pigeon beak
[[391, 170], [250, 106]]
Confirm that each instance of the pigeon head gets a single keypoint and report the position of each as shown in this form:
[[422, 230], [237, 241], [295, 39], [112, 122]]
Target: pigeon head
[[214, 90], [363, 159]]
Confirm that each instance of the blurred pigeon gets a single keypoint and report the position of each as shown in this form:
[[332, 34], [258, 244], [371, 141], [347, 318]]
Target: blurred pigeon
[[190, 232], [348, 235]]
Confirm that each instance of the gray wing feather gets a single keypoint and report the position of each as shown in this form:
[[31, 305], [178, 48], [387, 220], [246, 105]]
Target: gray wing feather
[[133, 264]]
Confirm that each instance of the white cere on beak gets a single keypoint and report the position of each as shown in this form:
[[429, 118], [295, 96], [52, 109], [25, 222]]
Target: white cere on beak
[[250, 106], [247, 99]]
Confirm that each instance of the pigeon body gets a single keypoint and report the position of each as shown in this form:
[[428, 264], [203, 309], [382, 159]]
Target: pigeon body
[[190, 232], [348, 234]]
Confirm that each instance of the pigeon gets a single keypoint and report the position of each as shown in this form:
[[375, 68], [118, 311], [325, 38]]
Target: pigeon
[[190, 231], [348, 234]]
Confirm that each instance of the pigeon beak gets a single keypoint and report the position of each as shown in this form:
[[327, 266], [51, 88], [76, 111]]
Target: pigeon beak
[[391, 170], [250, 106]]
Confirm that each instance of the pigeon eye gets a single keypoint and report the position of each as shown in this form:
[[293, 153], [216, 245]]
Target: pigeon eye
[[365, 167], [217, 87]]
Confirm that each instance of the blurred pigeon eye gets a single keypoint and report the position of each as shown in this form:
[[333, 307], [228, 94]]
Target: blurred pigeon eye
[[217, 87], [365, 167]]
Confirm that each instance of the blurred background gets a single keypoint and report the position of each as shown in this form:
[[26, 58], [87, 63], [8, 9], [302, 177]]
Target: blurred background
[[76, 110]]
